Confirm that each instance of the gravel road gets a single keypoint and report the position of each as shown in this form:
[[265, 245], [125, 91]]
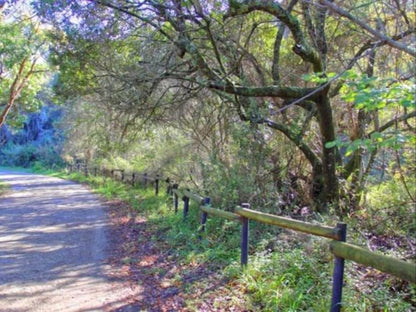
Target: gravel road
[[54, 248]]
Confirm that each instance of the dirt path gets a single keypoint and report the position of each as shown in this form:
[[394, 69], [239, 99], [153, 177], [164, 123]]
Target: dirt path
[[54, 248]]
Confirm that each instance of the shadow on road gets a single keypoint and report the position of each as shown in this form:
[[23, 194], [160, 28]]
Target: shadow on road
[[54, 249]]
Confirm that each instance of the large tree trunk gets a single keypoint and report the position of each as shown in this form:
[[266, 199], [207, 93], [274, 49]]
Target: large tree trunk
[[330, 179]]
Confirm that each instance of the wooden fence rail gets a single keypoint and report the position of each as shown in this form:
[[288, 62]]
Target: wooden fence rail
[[221, 213], [296, 225], [338, 247], [386, 264]]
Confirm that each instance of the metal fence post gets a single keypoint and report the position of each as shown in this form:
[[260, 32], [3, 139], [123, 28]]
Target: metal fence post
[[157, 185], [204, 216], [122, 175], [244, 237], [175, 197], [185, 205], [169, 187], [338, 274], [145, 180]]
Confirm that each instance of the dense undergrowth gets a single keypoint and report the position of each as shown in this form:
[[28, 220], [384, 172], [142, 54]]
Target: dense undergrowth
[[287, 271]]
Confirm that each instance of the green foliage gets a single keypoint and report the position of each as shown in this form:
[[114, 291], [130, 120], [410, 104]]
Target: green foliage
[[384, 96], [378, 296], [75, 75], [372, 93], [17, 155], [288, 280], [240, 172], [318, 78], [30, 154], [23, 46], [37, 143], [388, 207]]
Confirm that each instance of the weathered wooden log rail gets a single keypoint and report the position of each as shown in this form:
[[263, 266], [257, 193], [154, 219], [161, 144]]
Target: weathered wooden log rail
[[386, 264], [337, 246]]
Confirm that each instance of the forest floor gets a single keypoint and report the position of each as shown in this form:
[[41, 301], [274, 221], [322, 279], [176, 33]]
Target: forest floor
[[151, 264]]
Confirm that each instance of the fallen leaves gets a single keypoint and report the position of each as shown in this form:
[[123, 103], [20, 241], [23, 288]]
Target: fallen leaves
[[167, 285]]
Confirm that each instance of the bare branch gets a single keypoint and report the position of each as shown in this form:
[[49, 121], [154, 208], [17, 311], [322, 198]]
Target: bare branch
[[393, 122], [391, 42]]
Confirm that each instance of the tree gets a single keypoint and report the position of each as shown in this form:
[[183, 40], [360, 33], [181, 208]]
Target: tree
[[23, 45], [281, 65]]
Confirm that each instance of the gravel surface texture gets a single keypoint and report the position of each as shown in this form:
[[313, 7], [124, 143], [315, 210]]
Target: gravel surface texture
[[55, 243]]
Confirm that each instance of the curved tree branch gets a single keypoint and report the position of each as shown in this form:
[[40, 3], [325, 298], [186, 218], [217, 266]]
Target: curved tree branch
[[276, 47], [301, 48], [266, 91], [392, 122]]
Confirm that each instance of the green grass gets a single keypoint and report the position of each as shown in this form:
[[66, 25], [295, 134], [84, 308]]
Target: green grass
[[3, 188], [286, 272]]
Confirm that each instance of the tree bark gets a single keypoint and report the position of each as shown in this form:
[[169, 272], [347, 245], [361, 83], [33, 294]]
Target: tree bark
[[329, 159], [16, 87]]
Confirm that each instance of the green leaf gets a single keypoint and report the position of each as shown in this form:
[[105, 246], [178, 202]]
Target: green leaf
[[331, 144]]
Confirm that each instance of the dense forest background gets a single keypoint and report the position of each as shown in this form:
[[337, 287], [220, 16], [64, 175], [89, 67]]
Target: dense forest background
[[302, 108]]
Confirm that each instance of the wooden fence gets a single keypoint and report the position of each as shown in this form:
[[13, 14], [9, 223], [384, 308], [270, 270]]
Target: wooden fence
[[337, 235], [129, 177]]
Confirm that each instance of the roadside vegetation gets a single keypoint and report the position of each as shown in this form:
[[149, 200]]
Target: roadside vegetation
[[286, 271]]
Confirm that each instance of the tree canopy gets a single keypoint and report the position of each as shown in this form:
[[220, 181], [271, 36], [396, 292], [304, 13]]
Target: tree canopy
[[315, 72], [23, 65]]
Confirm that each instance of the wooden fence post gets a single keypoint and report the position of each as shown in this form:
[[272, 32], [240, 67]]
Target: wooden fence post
[[95, 171], [175, 197], [157, 185], [133, 177], [185, 205], [204, 216], [338, 274], [244, 237]]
